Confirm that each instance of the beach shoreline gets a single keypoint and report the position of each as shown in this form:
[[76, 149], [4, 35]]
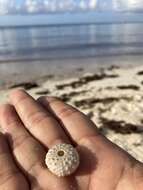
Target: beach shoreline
[[12, 73]]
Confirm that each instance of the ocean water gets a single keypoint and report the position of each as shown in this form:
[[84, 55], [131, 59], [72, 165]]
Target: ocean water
[[70, 41]]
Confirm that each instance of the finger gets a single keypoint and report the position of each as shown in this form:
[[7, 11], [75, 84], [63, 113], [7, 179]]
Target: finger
[[75, 122], [37, 120], [10, 175], [28, 152]]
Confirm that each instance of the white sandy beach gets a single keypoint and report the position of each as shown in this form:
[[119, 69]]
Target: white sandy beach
[[112, 98]]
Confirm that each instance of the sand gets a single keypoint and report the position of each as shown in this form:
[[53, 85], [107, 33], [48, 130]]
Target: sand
[[111, 97]]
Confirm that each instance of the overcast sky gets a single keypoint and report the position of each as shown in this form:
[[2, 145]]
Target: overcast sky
[[42, 6]]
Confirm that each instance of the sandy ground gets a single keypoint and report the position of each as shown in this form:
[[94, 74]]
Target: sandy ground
[[112, 98]]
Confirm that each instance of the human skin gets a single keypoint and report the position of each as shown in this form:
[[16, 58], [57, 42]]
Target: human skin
[[30, 127]]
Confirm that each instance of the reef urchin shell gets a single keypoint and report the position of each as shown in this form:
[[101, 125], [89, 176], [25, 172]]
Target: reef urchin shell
[[62, 159]]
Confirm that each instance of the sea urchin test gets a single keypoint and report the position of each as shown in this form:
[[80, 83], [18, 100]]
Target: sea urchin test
[[62, 160]]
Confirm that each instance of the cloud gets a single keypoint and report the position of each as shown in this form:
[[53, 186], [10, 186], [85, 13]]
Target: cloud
[[119, 5], [127, 4], [38, 6], [32, 6], [35, 6], [5, 5], [92, 4], [58, 5]]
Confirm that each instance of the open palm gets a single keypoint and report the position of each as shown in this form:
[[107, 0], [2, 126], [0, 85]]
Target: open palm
[[32, 127]]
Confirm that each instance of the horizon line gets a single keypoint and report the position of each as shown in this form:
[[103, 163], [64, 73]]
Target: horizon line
[[68, 24]]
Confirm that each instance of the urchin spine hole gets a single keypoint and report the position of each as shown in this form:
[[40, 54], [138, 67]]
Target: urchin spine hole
[[61, 153]]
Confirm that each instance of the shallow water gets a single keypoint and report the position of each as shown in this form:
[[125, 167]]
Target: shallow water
[[71, 41]]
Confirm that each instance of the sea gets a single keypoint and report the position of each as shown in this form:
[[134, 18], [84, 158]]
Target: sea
[[21, 44], [65, 51]]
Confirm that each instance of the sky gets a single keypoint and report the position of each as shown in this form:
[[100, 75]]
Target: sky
[[45, 6]]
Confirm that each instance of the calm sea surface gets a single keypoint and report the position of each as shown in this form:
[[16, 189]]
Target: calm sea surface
[[73, 41]]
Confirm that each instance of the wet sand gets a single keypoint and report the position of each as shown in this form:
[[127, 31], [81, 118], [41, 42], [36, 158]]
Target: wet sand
[[27, 71]]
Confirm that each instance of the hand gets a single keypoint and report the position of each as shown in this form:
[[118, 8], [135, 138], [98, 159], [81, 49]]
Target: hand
[[32, 127]]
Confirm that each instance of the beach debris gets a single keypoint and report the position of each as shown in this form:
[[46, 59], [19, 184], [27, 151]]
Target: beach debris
[[120, 126], [140, 73], [129, 87], [43, 92], [62, 160], [67, 96], [112, 67], [86, 79], [25, 85], [90, 102]]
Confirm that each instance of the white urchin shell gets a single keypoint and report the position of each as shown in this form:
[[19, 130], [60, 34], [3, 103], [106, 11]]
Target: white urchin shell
[[62, 159]]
